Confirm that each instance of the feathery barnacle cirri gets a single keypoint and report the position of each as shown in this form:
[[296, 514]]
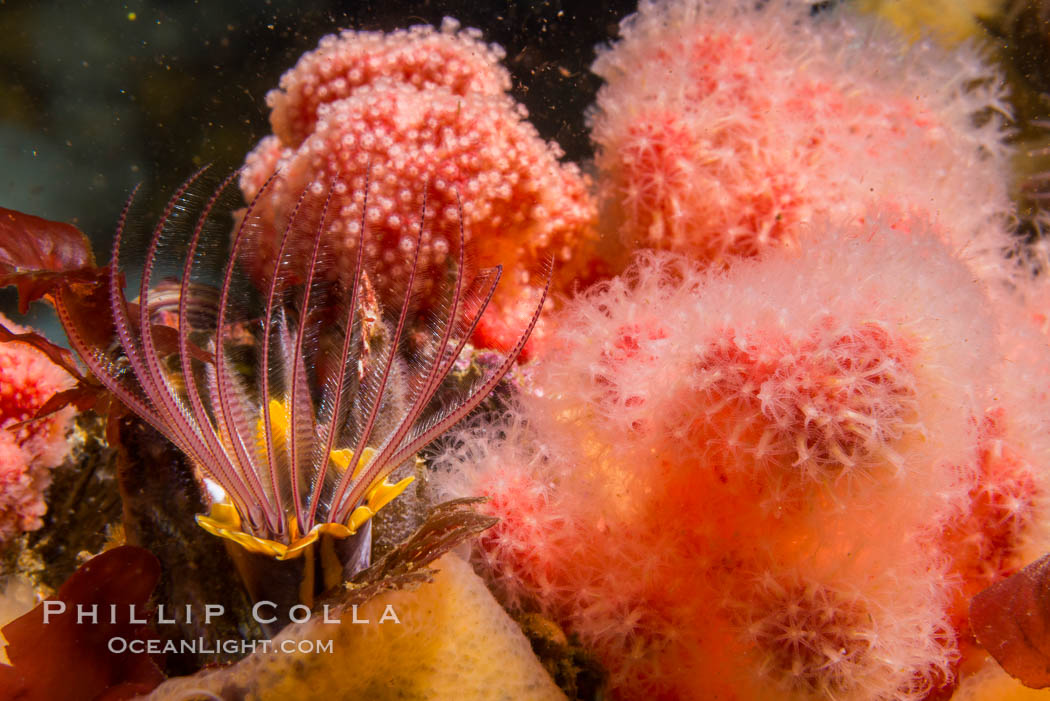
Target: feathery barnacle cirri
[[295, 398]]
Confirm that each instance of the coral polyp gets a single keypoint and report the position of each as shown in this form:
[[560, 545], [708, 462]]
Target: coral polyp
[[297, 398], [812, 638], [830, 404], [451, 58], [739, 484], [724, 128], [28, 448], [414, 106]]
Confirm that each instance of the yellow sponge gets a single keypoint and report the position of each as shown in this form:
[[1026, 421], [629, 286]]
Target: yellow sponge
[[452, 641], [950, 21]]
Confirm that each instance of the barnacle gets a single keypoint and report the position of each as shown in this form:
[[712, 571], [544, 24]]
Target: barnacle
[[272, 389]]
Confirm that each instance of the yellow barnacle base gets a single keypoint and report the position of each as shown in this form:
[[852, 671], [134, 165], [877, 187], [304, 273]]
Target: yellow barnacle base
[[224, 521]]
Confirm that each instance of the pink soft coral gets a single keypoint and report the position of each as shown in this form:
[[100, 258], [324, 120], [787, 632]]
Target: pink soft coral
[[421, 111], [740, 484], [725, 127], [1004, 521], [453, 59], [27, 380], [22, 485]]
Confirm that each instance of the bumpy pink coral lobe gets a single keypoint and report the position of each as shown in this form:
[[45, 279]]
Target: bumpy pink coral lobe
[[27, 380], [724, 127], [739, 485], [414, 112], [458, 61]]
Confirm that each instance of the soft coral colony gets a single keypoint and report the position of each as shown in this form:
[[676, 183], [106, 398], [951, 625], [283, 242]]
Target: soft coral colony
[[28, 448], [797, 513], [396, 108], [782, 477], [722, 130], [775, 457]]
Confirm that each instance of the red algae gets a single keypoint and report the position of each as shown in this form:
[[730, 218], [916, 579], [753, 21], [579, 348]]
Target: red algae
[[60, 650]]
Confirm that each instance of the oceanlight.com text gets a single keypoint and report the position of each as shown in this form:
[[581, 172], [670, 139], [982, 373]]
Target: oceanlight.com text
[[200, 646]]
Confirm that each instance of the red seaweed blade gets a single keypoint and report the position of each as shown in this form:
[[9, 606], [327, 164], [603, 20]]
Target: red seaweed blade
[[1011, 620], [61, 659], [37, 255]]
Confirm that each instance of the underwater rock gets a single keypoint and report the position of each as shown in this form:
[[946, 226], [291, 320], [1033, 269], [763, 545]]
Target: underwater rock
[[575, 670], [84, 511], [991, 683], [949, 21]]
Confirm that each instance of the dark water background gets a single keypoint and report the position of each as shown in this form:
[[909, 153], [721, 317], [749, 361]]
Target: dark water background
[[96, 97]]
